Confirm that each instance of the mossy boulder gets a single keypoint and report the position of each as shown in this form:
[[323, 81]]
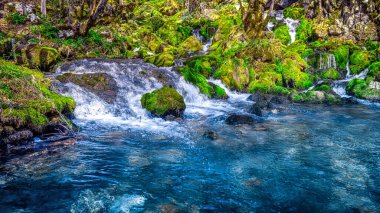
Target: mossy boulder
[[374, 70], [316, 97], [164, 102], [332, 74], [5, 47], [235, 73], [363, 89], [282, 34], [170, 8], [161, 60], [304, 30], [191, 44], [342, 55], [294, 12], [38, 57], [28, 103], [360, 60], [101, 84]]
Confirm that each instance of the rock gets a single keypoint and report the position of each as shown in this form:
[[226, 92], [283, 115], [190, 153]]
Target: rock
[[374, 85], [18, 137], [36, 56], [256, 110], [335, 30], [101, 84], [170, 8], [210, 135], [191, 44], [33, 18], [169, 208], [164, 102], [236, 119], [65, 33], [282, 4], [161, 60]]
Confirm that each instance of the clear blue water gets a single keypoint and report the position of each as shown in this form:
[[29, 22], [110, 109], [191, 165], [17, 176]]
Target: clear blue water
[[301, 159]]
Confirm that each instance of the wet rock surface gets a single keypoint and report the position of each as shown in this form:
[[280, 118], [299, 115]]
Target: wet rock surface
[[236, 119], [101, 84]]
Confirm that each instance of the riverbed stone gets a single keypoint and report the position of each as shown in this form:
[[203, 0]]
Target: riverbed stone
[[236, 119]]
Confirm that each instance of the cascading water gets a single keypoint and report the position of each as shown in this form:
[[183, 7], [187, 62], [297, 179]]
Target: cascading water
[[327, 61], [292, 25], [206, 44], [339, 86], [132, 82]]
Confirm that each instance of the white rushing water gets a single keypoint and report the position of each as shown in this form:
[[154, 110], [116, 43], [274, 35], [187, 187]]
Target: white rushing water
[[135, 78], [292, 25], [327, 61], [339, 87]]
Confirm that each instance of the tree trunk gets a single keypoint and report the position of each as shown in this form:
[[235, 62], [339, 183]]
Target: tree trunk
[[43, 8], [90, 22]]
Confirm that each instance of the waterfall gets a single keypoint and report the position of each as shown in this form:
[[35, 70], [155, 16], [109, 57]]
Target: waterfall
[[348, 69], [292, 25], [327, 61], [339, 87], [205, 44]]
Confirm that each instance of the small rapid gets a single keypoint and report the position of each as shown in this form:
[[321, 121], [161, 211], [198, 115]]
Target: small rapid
[[135, 78]]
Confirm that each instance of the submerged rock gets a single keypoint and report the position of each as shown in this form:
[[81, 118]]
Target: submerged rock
[[101, 84], [164, 102], [210, 135], [240, 119]]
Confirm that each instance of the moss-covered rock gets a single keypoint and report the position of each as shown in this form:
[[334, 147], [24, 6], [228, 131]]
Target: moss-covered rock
[[316, 97], [191, 44], [332, 74], [27, 103], [164, 102], [101, 84], [294, 12], [342, 54], [161, 60], [234, 73], [170, 8], [361, 89], [282, 34], [360, 60], [304, 30], [374, 70]]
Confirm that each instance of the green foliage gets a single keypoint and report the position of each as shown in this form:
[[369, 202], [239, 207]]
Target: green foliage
[[342, 54], [331, 74], [198, 80], [360, 88], [45, 29], [282, 33], [304, 30], [31, 102], [360, 60], [162, 101], [294, 12], [16, 18], [374, 70], [95, 37], [324, 87]]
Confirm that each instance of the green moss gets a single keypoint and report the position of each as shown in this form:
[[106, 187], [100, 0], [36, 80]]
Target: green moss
[[360, 60], [282, 33], [304, 30], [342, 55], [317, 97], [324, 87], [191, 44], [235, 73], [199, 80], [374, 70], [161, 60], [31, 102], [293, 76], [220, 93], [331, 74], [294, 12], [163, 101], [360, 88]]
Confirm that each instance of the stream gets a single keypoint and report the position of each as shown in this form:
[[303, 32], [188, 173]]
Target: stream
[[297, 158]]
